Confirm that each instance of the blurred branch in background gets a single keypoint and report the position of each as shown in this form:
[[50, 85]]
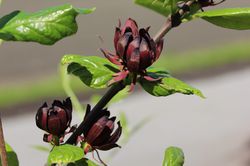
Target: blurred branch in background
[[188, 62], [128, 131], [66, 81]]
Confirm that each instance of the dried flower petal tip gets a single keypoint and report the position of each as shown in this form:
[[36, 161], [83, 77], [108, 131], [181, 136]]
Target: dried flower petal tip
[[135, 51], [206, 3], [100, 134], [55, 119]]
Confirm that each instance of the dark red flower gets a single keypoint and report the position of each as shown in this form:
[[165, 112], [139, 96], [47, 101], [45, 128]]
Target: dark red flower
[[55, 119], [135, 51], [205, 3], [99, 134]]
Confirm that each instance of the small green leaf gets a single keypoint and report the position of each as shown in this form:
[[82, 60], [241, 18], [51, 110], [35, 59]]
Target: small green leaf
[[168, 86], [163, 7], [174, 156], [11, 156], [65, 154], [157, 6], [45, 27], [234, 18], [94, 71]]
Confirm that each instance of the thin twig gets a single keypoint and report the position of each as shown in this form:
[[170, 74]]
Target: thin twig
[[4, 159], [98, 107], [167, 26]]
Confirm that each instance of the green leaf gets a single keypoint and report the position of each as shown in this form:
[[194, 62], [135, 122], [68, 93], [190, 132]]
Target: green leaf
[[45, 27], [174, 156], [11, 156], [83, 162], [163, 7], [167, 86], [234, 18], [65, 154], [94, 71]]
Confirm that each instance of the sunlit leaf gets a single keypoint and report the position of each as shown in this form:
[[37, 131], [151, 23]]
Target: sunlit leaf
[[45, 27], [95, 72], [163, 7], [65, 154], [232, 18], [167, 85]]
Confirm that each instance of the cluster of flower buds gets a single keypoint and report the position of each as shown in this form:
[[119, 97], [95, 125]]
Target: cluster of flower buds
[[55, 119], [135, 51], [99, 134]]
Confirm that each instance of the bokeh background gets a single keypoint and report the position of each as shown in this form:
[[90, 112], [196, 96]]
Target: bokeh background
[[213, 131]]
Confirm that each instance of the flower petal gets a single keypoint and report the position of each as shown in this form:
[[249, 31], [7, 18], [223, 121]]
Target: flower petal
[[130, 25], [54, 125], [148, 78], [96, 130], [117, 35], [112, 58], [145, 55], [133, 55], [102, 138], [41, 117], [122, 44], [116, 135], [107, 147]]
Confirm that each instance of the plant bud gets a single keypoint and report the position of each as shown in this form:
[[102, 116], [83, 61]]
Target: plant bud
[[55, 119], [99, 134], [135, 50]]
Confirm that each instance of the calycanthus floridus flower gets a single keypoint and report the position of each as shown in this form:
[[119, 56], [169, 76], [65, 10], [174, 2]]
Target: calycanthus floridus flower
[[55, 119], [99, 134], [135, 51]]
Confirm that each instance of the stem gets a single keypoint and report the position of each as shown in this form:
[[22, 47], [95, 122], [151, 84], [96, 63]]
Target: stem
[[167, 26], [4, 159], [98, 107]]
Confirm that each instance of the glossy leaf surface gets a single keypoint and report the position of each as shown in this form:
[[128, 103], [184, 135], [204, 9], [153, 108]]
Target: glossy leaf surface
[[163, 7], [234, 18], [94, 71], [45, 27], [167, 85]]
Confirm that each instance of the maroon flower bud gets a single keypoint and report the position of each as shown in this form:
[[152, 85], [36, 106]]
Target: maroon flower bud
[[135, 51], [55, 119], [99, 134]]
